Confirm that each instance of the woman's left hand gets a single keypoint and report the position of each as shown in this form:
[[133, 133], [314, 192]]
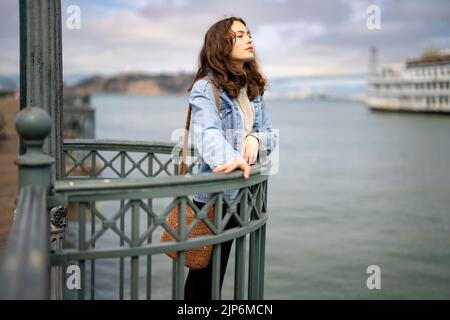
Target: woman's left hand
[[249, 149]]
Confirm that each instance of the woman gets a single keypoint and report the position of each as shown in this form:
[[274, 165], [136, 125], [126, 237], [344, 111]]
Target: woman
[[235, 137]]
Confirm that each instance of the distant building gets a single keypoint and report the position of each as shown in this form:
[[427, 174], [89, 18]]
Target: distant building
[[79, 116], [420, 85]]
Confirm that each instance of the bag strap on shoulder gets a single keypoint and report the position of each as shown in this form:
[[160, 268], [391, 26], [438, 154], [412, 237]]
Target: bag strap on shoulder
[[182, 167]]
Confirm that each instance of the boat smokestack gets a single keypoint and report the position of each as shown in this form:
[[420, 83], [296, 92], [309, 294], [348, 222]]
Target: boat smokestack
[[373, 60]]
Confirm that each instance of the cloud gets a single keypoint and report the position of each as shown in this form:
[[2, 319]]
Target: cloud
[[9, 37], [290, 37]]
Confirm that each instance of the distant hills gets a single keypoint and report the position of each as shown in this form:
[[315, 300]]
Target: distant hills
[[325, 87], [8, 82], [333, 87], [125, 83], [133, 83]]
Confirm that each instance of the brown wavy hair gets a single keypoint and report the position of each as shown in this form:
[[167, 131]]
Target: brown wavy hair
[[215, 56]]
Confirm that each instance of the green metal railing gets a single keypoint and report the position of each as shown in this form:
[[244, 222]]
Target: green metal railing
[[136, 195], [24, 270], [136, 175], [121, 159], [25, 262]]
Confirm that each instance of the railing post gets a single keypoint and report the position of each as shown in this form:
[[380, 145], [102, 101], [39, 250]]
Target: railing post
[[35, 169]]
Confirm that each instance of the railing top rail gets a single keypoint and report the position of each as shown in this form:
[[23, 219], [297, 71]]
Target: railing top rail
[[24, 268], [130, 145], [161, 186]]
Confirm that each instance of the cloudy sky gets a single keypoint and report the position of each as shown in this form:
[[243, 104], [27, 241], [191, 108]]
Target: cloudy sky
[[310, 37]]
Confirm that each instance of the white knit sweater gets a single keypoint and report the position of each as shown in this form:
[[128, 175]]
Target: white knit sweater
[[246, 110]]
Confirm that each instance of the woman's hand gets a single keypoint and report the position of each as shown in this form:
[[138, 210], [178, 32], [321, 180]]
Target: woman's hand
[[250, 148], [233, 165]]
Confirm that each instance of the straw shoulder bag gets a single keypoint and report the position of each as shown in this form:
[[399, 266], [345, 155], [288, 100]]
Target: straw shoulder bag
[[196, 258]]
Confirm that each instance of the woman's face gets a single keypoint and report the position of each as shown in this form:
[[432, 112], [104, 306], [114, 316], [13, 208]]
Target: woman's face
[[243, 47]]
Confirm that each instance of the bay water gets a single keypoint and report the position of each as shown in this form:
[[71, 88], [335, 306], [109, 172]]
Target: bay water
[[354, 189]]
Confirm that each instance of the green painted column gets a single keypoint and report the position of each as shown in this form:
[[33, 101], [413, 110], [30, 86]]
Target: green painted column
[[41, 81]]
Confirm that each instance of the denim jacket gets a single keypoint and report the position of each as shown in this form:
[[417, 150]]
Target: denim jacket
[[218, 136]]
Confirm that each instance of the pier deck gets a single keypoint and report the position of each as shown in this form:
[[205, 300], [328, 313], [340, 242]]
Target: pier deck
[[9, 150]]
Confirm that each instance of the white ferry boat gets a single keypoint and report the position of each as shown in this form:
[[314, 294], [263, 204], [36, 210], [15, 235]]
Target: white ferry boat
[[417, 85]]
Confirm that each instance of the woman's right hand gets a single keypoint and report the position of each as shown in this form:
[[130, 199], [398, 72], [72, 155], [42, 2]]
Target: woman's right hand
[[233, 165]]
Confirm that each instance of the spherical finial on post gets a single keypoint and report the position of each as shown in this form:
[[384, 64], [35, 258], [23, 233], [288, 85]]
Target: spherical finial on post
[[34, 125]]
